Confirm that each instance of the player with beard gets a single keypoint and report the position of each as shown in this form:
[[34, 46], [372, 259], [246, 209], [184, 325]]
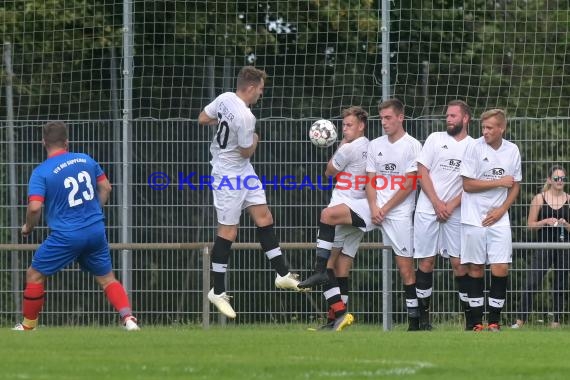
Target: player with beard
[[437, 221]]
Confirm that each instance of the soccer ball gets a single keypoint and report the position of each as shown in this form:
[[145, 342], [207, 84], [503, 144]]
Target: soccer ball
[[323, 133]]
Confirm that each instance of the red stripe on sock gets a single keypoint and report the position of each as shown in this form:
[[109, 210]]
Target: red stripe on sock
[[330, 314], [338, 307], [33, 300]]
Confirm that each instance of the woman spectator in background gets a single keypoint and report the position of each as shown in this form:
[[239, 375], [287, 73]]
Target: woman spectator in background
[[549, 215]]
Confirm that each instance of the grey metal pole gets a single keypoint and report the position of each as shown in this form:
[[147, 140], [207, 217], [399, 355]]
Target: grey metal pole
[[228, 74], [386, 289], [205, 287], [211, 85], [14, 258], [210, 63], [128, 68], [116, 116], [386, 94], [425, 93], [385, 29]]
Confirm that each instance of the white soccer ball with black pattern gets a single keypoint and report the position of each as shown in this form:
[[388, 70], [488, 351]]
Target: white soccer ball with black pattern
[[323, 133]]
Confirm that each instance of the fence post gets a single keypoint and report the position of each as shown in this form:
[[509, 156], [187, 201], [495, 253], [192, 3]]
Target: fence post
[[14, 258], [205, 287], [386, 289], [128, 73], [384, 6]]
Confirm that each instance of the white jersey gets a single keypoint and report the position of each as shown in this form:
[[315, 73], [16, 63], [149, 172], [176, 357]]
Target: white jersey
[[350, 159], [482, 162], [392, 161], [442, 155], [236, 125]]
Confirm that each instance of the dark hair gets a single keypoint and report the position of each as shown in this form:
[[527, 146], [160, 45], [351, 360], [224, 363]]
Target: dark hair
[[55, 134], [357, 112], [395, 104], [249, 76], [461, 104]]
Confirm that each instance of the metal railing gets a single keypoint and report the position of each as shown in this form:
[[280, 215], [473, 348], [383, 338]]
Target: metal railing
[[366, 288]]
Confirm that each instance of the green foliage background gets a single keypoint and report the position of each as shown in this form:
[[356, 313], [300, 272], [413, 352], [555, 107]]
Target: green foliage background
[[511, 54]]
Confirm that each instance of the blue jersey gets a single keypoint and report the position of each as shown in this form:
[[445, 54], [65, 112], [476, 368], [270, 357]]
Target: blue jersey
[[67, 184]]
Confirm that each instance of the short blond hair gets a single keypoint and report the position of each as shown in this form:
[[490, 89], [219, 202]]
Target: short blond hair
[[250, 76], [497, 113], [357, 112]]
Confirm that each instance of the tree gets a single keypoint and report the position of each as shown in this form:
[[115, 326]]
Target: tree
[[492, 54]]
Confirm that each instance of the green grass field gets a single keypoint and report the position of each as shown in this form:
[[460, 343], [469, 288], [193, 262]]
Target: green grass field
[[282, 352]]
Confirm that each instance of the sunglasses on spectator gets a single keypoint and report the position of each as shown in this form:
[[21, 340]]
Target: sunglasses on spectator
[[559, 178]]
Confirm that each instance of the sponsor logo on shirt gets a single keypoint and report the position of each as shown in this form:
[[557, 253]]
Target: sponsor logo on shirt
[[494, 173]]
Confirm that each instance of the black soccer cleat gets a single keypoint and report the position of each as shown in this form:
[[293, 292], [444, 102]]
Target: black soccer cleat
[[316, 279], [425, 324], [414, 324]]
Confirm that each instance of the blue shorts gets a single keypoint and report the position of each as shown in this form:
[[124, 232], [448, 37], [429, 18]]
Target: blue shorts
[[88, 246]]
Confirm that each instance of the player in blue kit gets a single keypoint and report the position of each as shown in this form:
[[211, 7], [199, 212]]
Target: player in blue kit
[[73, 188]]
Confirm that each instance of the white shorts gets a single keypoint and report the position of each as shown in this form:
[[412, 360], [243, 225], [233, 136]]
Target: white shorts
[[486, 245], [432, 237], [348, 238], [396, 233], [399, 234], [361, 208], [231, 201]]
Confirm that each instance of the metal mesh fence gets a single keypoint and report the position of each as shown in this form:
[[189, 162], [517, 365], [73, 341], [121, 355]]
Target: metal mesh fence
[[166, 285]]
